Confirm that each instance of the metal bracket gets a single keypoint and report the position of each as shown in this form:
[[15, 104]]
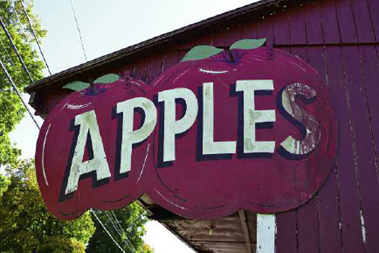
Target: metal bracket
[[270, 50], [126, 76]]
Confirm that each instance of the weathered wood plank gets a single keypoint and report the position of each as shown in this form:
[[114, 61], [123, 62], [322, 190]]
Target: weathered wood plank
[[233, 34], [367, 152], [155, 67], [313, 23], [250, 30], [221, 230], [362, 21], [170, 59], [297, 25], [281, 29], [349, 197], [327, 204], [221, 247], [245, 229], [266, 29], [140, 70], [307, 214], [218, 38], [286, 238], [329, 21], [373, 7], [365, 158], [330, 236], [346, 21]]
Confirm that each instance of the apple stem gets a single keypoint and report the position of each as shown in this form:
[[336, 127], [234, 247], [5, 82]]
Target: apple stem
[[230, 54]]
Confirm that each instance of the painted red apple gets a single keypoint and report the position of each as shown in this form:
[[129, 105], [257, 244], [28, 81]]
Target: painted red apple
[[240, 130], [83, 144]]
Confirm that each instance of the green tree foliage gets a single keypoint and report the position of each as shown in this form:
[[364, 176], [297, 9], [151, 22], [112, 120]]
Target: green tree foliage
[[147, 249], [11, 109], [126, 227], [26, 225], [4, 182]]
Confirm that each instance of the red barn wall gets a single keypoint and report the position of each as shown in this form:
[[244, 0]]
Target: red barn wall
[[340, 39]]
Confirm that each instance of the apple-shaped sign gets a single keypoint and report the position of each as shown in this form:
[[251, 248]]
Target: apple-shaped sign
[[240, 130], [84, 156], [243, 128]]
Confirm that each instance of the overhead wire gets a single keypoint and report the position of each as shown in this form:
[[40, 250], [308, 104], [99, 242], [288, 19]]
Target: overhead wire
[[121, 231], [106, 230], [118, 230], [18, 93], [78, 28], [9, 76], [6, 52], [15, 50], [34, 34]]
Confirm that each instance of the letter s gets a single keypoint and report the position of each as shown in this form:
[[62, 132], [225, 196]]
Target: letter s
[[304, 121]]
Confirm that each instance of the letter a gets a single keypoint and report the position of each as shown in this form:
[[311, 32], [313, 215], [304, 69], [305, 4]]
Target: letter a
[[88, 127]]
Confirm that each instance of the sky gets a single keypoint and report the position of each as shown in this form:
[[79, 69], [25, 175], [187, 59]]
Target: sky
[[107, 26]]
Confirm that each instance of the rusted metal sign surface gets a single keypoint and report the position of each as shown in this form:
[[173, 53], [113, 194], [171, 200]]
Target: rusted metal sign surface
[[249, 128]]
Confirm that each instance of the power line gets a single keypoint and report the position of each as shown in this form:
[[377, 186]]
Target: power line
[[18, 93], [120, 233], [5, 50], [15, 49], [120, 230], [106, 230], [78, 28], [34, 34]]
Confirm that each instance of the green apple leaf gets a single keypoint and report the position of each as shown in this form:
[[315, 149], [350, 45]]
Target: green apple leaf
[[248, 44], [76, 86], [201, 52], [108, 78]]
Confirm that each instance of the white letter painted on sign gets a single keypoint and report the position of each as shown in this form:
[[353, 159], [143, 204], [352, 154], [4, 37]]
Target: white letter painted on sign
[[130, 136], [251, 116], [209, 146], [88, 128], [312, 133], [171, 125]]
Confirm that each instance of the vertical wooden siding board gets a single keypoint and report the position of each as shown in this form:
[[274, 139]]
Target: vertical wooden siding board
[[346, 21], [141, 68], [286, 232], [307, 216], [171, 58], [327, 204], [250, 30], [368, 158], [373, 7], [362, 21], [155, 67], [204, 40], [330, 236], [371, 73], [266, 29], [329, 21], [366, 169], [349, 198], [218, 38], [313, 23], [297, 25], [286, 238], [233, 34], [281, 29]]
